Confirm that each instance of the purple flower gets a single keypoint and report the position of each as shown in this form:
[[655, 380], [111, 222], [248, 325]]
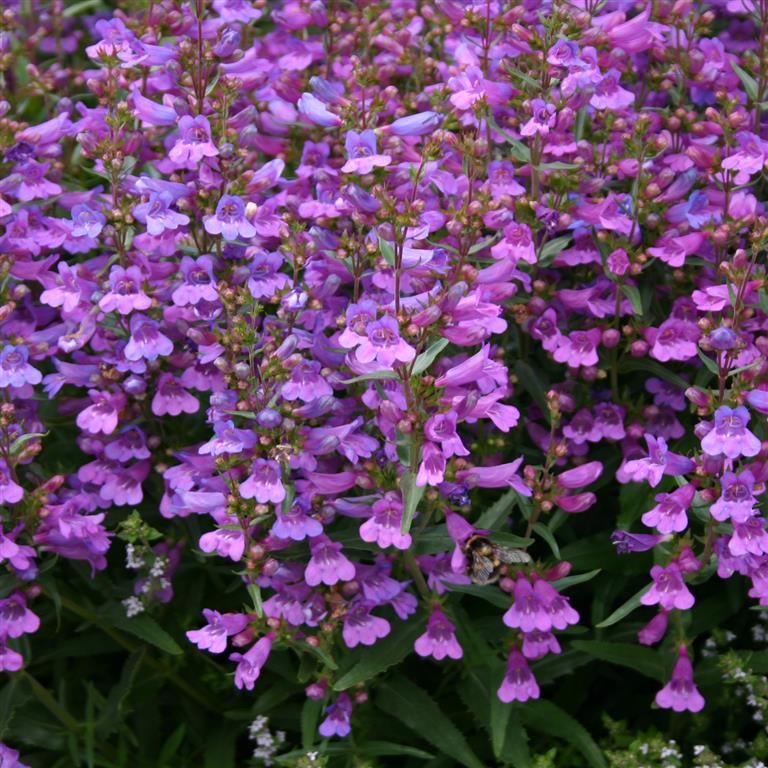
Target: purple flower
[[86, 222], [317, 112], [680, 693], [65, 290], [360, 627], [15, 371], [749, 157], [528, 611], [10, 661], [737, 501], [659, 462], [158, 215], [439, 640], [669, 514], [296, 524], [758, 399], [668, 589], [610, 95], [337, 721], [193, 142], [361, 153], [171, 398], [198, 282], [383, 526], [537, 644], [579, 348], [497, 476], [102, 414], [249, 664], [306, 383], [10, 493], [266, 279], [383, 344], [415, 125], [229, 221], [9, 758], [125, 292], [654, 631], [147, 342], [470, 86], [749, 537], [213, 637], [673, 340], [225, 542], [264, 483], [227, 439], [327, 565], [542, 119], [730, 436], [518, 684], [626, 542], [15, 618]]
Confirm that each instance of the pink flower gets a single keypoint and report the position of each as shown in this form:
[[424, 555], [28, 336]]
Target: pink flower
[[361, 153], [250, 663], [193, 142], [668, 589], [579, 348], [518, 684], [327, 565], [383, 526], [730, 436], [439, 640], [213, 637], [125, 292], [360, 627], [383, 344], [264, 483], [669, 514], [680, 693]]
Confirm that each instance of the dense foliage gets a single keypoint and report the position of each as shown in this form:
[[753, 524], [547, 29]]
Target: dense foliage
[[383, 383]]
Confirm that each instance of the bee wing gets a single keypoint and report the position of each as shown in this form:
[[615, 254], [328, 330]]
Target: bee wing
[[482, 569], [511, 556]]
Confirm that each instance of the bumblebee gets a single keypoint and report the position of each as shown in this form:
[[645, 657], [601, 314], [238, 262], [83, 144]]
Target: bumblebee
[[487, 559]]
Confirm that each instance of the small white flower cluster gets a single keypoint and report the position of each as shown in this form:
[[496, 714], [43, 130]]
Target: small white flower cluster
[[133, 560], [267, 743], [312, 756], [133, 606]]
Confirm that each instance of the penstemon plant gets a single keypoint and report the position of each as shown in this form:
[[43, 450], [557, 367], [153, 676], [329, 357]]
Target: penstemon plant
[[351, 357]]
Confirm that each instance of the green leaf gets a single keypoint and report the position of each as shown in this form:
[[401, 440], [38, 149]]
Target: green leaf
[[411, 497], [557, 165], [22, 440], [385, 748], [530, 382], [374, 375], [515, 746], [623, 610], [111, 714], [633, 294], [551, 249], [518, 149], [572, 581], [546, 534], [498, 511], [77, 8], [749, 82], [643, 660], [380, 657], [255, 593], [171, 746], [413, 707], [310, 717], [145, 628], [548, 718], [387, 251], [710, 364], [485, 592], [477, 247], [499, 722], [426, 358]]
